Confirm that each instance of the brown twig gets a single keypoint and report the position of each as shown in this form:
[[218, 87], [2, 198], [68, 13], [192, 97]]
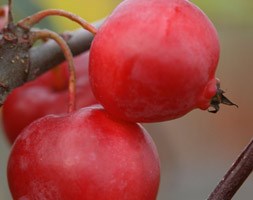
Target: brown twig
[[10, 16], [48, 55], [235, 176]]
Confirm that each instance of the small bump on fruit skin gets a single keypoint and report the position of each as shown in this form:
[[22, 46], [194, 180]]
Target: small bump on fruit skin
[[154, 60], [87, 154]]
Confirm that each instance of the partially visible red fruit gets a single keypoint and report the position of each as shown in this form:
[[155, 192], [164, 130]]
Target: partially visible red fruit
[[3, 16], [86, 154]]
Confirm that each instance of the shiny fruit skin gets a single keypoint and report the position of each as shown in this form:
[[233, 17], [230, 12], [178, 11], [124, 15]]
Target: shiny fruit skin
[[154, 60], [84, 155], [47, 94]]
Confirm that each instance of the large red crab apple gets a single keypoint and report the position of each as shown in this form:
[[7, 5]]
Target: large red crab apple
[[154, 60], [47, 94], [86, 155]]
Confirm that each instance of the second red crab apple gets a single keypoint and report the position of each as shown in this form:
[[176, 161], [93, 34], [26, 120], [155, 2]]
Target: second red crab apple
[[86, 154], [47, 94]]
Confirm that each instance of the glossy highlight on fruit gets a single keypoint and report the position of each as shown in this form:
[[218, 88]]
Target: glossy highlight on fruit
[[87, 155], [154, 60], [48, 94]]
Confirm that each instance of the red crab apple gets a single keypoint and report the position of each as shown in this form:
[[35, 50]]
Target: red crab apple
[[47, 94], [3, 16], [86, 154], [154, 60]]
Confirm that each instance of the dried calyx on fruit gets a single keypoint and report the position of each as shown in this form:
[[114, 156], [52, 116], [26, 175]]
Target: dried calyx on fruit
[[218, 99]]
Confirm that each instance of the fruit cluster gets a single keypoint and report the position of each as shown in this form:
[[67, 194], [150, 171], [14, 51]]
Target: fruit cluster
[[48, 94], [151, 61]]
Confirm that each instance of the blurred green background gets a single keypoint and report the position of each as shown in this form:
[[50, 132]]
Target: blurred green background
[[197, 149]]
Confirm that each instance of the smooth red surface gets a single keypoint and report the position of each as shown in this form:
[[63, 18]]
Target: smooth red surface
[[85, 155], [154, 60], [47, 94]]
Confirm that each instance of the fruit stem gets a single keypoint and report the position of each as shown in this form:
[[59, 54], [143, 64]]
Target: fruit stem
[[235, 176], [10, 16], [43, 34], [30, 21]]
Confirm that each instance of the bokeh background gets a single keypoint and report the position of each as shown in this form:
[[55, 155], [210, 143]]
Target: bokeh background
[[197, 149]]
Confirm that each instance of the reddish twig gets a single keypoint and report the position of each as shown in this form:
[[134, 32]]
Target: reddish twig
[[30, 21], [235, 176], [45, 34]]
